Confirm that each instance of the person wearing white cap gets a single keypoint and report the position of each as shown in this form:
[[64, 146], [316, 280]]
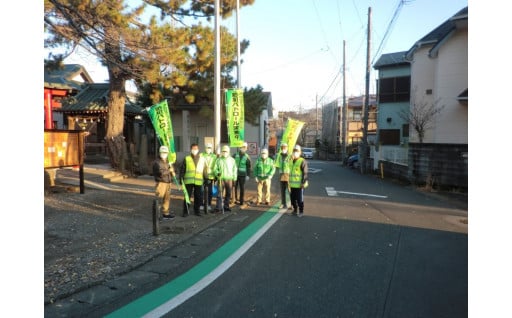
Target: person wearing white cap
[[264, 171], [298, 181], [209, 179], [225, 172], [163, 173], [282, 163], [243, 164]]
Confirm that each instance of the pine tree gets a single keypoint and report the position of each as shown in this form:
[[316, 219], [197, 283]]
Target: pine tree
[[157, 53]]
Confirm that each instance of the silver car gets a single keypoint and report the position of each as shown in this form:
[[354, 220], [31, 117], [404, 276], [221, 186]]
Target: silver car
[[307, 153]]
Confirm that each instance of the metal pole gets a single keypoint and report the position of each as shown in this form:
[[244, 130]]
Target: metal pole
[[344, 114], [216, 104], [364, 148], [238, 62]]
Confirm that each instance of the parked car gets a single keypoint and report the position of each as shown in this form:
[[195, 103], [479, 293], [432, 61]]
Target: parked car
[[307, 153], [353, 161]]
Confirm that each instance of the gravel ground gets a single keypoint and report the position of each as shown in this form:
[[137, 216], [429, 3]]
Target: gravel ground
[[94, 236]]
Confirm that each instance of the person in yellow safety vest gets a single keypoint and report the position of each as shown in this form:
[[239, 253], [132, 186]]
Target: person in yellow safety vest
[[298, 180], [243, 164], [225, 171], [192, 172], [163, 172], [282, 163], [264, 171], [209, 179]]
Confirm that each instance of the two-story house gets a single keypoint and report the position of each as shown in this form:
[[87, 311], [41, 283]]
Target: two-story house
[[438, 68]]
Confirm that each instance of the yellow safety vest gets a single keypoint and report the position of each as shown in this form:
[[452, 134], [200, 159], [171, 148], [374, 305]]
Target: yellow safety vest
[[193, 174], [296, 173]]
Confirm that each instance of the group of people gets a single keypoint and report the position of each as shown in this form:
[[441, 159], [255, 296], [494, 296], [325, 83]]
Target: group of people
[[200, 173]]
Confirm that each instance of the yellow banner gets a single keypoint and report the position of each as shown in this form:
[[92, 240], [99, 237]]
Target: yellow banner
[[291, 133]]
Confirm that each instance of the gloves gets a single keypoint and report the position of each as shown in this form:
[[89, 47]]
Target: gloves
[[305, 185], [246, 178], [256, 179]]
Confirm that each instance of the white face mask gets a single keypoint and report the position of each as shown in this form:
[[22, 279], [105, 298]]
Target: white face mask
[[296, 154], [163, 155], [208, 150], [195, 152], [284, 151], [264, 156]]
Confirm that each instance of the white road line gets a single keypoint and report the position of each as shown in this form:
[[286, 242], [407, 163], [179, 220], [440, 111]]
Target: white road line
[[331, 192], [208, 279]]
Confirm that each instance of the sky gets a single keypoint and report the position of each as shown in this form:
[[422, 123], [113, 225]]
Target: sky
[[296, 46]]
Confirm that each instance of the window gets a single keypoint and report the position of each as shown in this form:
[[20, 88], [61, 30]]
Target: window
[[405, 130], [394, 89], [389, 136]]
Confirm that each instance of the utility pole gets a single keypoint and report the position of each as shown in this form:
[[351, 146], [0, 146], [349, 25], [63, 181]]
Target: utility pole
[[316, 131], [238, 63], [364, 147], [344, 114], [216, 72]]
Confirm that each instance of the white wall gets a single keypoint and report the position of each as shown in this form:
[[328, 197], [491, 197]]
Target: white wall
[[447, 76]]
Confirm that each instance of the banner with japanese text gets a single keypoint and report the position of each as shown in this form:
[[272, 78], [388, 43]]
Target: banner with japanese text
[[161, 120], [291, 133], [235, 116]]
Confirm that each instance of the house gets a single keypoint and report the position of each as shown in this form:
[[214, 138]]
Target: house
[[393, 87], [87, 111], [332, 125], [194, 123], [60, 83], [438, 78]]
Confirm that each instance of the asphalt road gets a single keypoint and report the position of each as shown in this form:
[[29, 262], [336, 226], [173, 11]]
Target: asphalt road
[[365, 248], [381, 251]]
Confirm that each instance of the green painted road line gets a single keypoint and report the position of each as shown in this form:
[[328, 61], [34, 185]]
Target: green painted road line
[[160, 300]]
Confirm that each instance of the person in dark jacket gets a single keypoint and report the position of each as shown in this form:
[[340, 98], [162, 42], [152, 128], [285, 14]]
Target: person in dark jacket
[[163, 173], [192, 172], [298, 181], [243, 164]]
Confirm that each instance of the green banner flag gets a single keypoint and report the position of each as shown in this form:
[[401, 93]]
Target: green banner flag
[[235, 116], [185, 192], [161, 120], [291, 133]]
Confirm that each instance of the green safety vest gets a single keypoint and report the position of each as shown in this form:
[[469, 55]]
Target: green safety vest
[[210, 162], [296, 173], [193, 174], [283, 163], [226, 167], [264, 168], [241, 163]]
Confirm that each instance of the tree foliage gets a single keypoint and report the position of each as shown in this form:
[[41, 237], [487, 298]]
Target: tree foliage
[[255, 101], [147, 41]]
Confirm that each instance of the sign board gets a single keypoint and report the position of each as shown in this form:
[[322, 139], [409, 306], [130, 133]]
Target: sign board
[[252, 148], [63, 148]]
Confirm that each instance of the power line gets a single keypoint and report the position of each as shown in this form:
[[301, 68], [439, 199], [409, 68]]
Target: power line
[[389, 28]]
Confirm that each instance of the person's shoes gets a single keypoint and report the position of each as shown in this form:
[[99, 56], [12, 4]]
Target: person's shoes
[[282, 206], [167, 216], [290, 207], [227, 209], [294, 212], [197, 214], [201, 208], [266, 203], [258, 203], [301, 214], [209, 208], [184, 214]]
